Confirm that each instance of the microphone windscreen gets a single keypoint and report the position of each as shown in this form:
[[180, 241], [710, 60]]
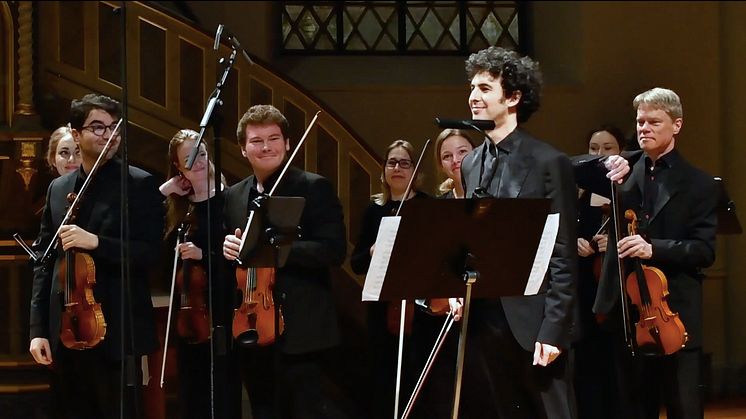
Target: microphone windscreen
[[218, 35], [481, 124]]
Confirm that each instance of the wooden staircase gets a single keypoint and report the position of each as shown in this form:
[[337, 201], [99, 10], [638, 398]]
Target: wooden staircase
[[172, 70]]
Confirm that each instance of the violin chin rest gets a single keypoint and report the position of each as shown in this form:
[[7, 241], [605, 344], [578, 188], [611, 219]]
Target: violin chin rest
[[248, 339]]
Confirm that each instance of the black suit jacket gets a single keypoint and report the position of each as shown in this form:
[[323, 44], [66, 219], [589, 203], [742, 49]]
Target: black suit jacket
[[537, 170], [100, 214], [303, 284], [682, 230]]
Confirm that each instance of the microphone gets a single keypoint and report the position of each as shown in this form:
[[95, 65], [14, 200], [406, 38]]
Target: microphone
[[232, 39], [476, 124], [237, 45], [218, 35]]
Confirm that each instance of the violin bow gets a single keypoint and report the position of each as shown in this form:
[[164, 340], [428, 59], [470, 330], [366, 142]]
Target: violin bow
[[170, 307], [622, 287]]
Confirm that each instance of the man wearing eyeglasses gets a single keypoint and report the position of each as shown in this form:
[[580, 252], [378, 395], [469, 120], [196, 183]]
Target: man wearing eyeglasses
[[87, 381], [303, 288]]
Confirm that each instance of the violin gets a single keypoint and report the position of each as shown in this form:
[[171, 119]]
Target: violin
[[658, 331], [192, 319], [254, 319], [82, 323]]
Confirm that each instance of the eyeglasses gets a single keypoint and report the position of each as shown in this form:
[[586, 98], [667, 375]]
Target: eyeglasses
[[99, 129], [403, 163]]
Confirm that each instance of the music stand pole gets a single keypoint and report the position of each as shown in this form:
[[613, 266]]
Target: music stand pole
[[470, 277]]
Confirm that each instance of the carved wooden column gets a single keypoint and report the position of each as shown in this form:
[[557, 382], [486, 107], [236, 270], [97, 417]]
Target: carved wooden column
[[26, 122]]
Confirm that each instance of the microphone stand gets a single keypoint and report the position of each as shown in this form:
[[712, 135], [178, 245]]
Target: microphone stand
[[127, 365], [218, 335]]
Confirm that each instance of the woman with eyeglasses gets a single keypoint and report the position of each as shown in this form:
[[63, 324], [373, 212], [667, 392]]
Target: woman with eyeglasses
[[63, 154], [383, 317]]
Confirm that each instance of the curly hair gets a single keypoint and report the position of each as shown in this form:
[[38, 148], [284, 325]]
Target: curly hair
[[516, 74]]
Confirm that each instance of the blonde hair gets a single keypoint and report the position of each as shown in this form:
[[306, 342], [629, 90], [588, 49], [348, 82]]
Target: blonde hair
[[177, 206], [447, 184], [659, 98], [384, 197], [57, 135]]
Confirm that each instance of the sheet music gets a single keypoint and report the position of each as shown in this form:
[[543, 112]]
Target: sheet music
[[598, 200], [543, 253], [381, 256]]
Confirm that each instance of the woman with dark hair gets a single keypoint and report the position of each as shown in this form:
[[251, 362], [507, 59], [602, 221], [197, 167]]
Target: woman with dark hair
[[595, 378]]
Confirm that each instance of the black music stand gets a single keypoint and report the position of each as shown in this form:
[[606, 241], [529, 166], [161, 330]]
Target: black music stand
[[270, 235], [483, 258], [272, 230]]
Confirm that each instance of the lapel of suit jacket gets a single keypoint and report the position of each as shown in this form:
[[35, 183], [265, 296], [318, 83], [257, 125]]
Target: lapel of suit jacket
[[242, 210], [106, 181], [476, 166], [519, 164]]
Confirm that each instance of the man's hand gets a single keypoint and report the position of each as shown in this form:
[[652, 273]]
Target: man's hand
[[231, 245], [635, 246], [41, 351], [189, 250], [545, 354], [73, 236], [618, 168], [584, 248]]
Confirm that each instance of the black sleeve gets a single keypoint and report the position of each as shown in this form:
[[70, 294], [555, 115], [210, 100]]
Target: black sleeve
[[146, 226], [360, 260], [560, 188], [42, 285], [323, 240]]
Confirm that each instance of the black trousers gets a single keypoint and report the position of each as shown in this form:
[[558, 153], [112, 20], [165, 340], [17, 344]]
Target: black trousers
[[500, 380], [87, 385], [673, 381], [284, 386], [596, 374]]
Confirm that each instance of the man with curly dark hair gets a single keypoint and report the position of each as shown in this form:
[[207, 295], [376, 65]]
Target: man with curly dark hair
[[516, 360]]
